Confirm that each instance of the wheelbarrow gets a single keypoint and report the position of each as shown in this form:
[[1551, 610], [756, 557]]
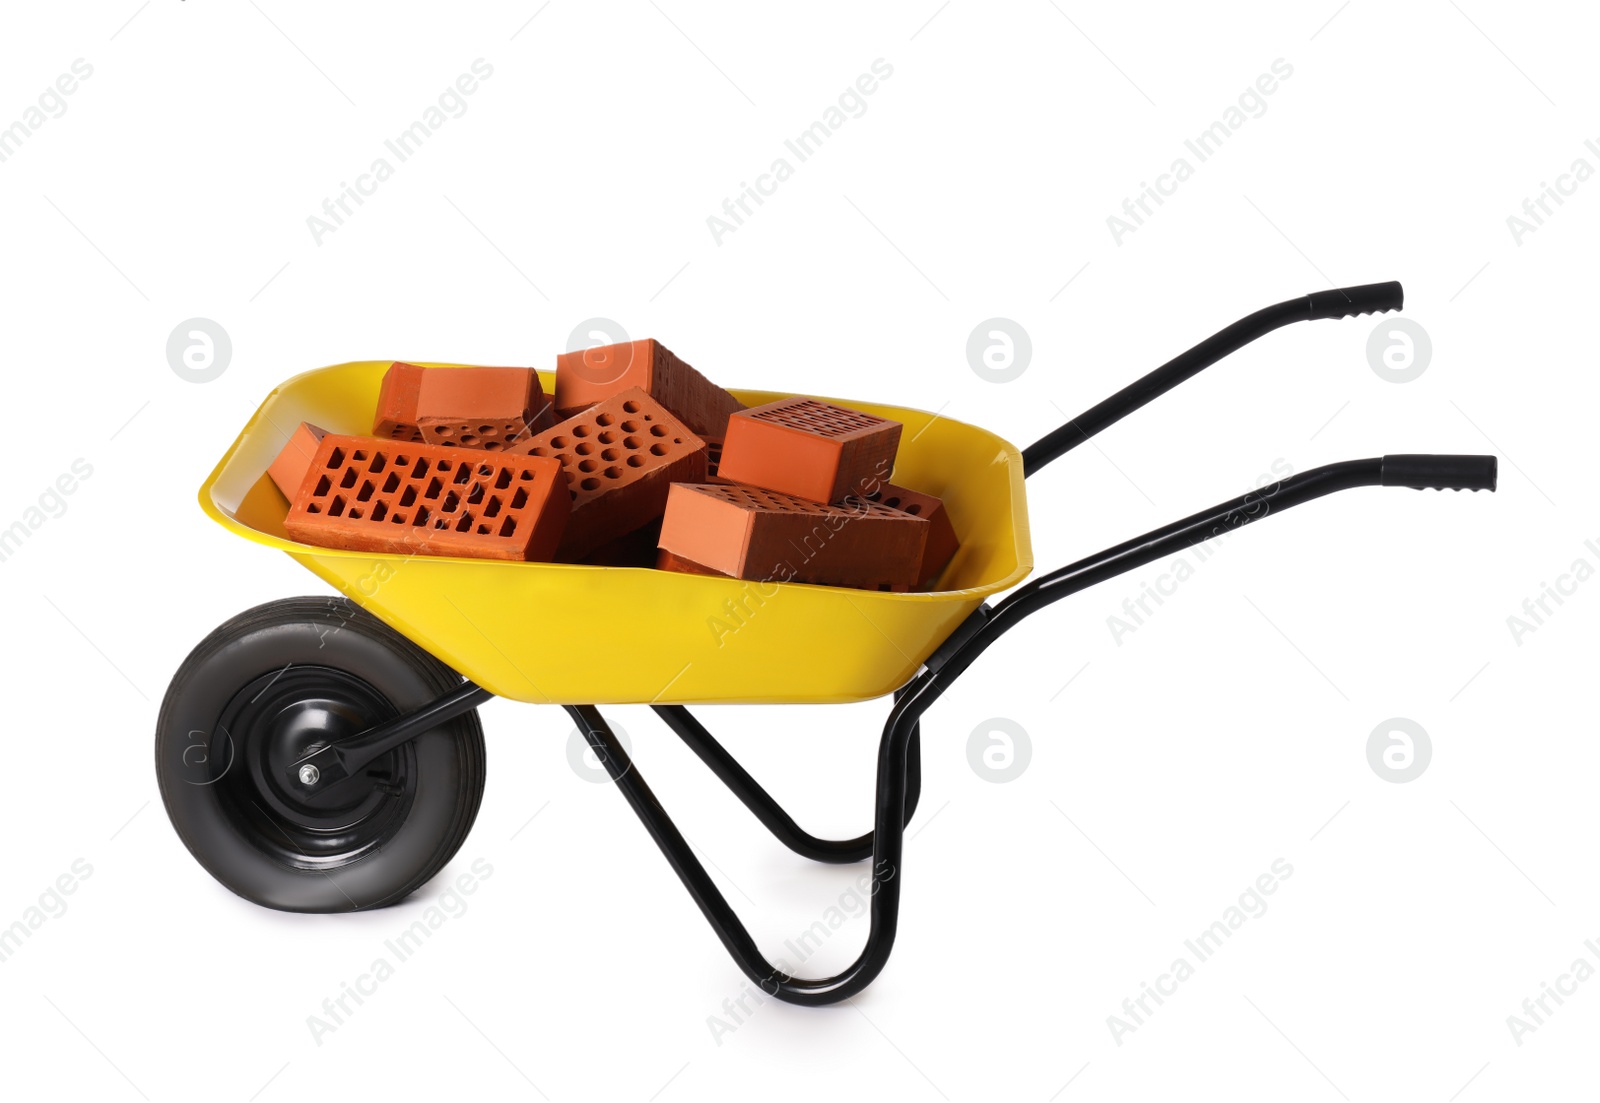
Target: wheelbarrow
[[325, 754]]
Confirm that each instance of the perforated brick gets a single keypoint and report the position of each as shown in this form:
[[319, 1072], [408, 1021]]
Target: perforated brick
[[764, 535], [809, 448], [396, 416], [714, 460], [942, 543], [486, 408], [288, 471], [594, 375], [620, 457], [414, 498]]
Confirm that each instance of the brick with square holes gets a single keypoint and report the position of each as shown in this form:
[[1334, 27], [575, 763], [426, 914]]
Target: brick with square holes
[[288, 471], [409, 497], [485, 408], [594, 375], [396, 416], [713, 459], [765, 535], [809, 448], [942, 543], [620, 457]]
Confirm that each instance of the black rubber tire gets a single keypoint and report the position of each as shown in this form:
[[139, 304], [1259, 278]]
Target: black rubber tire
[[390, 829]]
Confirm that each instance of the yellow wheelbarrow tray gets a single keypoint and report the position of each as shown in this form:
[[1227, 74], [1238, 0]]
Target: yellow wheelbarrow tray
[[316, 758], [558, 633]]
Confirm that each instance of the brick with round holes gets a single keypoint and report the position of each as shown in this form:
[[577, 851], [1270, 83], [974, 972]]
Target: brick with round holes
[[809, 448], [942, 543], [594, 375], [396, 416], [289, 469], [620, 456], [409, 497], [485, 408], [765, 535], [714, 460]]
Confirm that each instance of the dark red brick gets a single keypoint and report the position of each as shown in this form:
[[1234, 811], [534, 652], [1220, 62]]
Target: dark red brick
[[764, 535], [594, 375], [942, 543], [620, 457]]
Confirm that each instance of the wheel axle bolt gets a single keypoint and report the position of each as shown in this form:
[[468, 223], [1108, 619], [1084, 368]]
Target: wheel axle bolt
[[309, 774]]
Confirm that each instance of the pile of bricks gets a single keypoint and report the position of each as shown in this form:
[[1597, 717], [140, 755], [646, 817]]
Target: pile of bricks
[[636, 460]]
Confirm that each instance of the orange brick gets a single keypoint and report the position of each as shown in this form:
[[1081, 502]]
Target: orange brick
[[620, 457], [487, 408], [594, 375], [763, 535], [942, 543], [809, 448], [396, 416], [413, 498], [288, 471]]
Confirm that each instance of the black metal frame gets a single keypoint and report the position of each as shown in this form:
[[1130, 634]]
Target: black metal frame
[[899, 778]]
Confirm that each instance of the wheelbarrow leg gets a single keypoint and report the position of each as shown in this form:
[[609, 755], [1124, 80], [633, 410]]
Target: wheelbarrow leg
[[767, 810], [954, 656], [894, 757]]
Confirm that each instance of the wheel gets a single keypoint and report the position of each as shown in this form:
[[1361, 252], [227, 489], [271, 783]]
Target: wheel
[[259, 693]]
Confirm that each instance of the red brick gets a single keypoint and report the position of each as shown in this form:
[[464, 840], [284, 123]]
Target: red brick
[[714, 460], [620, 457], [413, 498], [942, 542], [809, 448], [594, 375], [762, 535], [396, 416], [666, 561], [294, 459], [487, 408]]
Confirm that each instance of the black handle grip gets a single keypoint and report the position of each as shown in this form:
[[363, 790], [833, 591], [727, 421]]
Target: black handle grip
[[986, 625], [1441, 472], [1347, 302], [1341, 302]]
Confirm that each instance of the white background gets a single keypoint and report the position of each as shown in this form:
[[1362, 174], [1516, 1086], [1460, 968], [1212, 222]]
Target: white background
[[1228, 731]]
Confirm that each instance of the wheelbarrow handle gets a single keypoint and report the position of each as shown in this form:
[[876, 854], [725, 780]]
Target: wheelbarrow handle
[[1419, 472], [1340, 302], [896, 785]]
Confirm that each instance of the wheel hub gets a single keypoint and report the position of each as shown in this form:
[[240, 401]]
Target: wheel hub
[[277, 720]]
